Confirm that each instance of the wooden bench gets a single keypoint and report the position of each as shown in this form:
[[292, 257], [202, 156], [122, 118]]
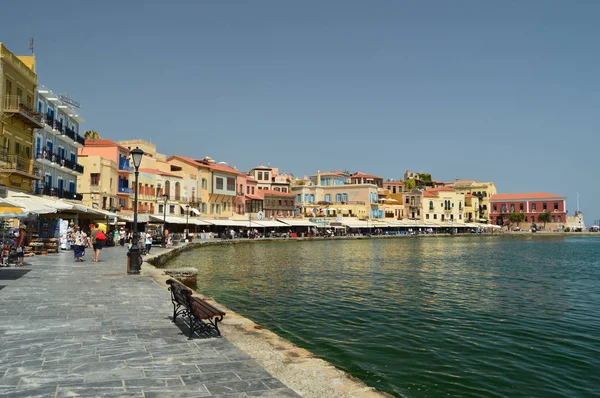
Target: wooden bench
[[201, 316]]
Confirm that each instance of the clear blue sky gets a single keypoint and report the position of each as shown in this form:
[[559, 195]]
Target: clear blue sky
[[503, 91]]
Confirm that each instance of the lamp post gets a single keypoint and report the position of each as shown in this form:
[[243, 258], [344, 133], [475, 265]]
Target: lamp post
[[165, 198], [134, 251], [187, 215]]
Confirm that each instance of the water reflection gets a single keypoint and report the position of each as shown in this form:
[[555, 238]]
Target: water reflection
[[473, 316]]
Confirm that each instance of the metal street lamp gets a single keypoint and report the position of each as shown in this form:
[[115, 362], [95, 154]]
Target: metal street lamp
[[187, 215], [165, 198], [134, 251]]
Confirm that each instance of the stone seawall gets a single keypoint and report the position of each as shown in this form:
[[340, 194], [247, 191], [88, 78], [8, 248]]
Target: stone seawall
[[296, 367]]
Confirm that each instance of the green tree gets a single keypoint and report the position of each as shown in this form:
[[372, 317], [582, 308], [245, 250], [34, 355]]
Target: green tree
[[409, 184], [516, 218], [91, 135], [545, 217]]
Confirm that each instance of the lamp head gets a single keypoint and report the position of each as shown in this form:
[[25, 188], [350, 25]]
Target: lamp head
[[136, 156], [165, 197]]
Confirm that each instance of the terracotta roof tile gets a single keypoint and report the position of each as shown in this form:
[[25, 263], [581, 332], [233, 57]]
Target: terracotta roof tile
[[271, 192], [364, 175], [525, 196], [429, 194]]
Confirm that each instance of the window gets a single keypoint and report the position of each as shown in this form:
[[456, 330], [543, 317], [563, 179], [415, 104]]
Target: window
[[427, 216], [277, 189], [19, 93], [280, 202], [8, 87], [559, 218], [521, 206], [219, 183], [459, 205], [533, 207], [252, 190], [266, 176], [212, 208], [168, 188], [299, 198], [259, 175], [556, 206], [512, 208], [284, 190], [230, 184], [204, 183], [172, 209], [545, 206], [94, 179], [435, 216], [431, 205], [503, 208], [218, 209], [161, 208]]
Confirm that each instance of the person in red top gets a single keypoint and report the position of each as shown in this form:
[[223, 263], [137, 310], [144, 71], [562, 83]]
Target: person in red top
[[97, 239]]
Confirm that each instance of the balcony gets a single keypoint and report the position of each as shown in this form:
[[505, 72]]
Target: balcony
[[124, 165], [58, 193], [125, 190], [76, 138], [55, 158], [18, 108], [13, 164]]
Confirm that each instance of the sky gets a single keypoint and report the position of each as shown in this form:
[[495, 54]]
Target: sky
[[502, 91]]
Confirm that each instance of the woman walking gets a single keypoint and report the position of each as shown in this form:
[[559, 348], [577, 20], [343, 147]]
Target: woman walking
[[80, 242]]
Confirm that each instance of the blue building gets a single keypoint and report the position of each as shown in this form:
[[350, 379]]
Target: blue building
[[55, 145]]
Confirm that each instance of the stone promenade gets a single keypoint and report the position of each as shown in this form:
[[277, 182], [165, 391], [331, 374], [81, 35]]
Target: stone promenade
[[87, 329]]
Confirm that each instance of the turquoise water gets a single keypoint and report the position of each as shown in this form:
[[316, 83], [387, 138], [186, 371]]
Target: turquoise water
[[427, 317]]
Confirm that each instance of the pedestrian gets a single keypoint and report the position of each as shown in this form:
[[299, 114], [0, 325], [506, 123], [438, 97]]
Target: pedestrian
[[148, 242], [97, 239], [122, 235], [21, 243], [79, 243]]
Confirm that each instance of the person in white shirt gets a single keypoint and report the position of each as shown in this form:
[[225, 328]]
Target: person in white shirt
[[148, 242]]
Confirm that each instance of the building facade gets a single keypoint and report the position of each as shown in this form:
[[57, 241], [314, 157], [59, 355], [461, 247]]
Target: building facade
[[56, 146], [93, 181], [277, 204], [18, 120], [482, 190], [531, 205]]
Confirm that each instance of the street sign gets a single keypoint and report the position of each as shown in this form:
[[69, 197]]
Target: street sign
[[259, 215]]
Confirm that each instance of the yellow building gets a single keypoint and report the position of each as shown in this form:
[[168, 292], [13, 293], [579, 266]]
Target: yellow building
[[98, 185], [444, 206], [18, 119], [482, 190]]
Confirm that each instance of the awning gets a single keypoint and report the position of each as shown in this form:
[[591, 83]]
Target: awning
[[355, 223], [296, 222], [31, 204], [270, 223], [195, 211]]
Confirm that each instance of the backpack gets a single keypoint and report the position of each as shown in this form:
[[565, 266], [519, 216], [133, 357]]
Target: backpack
[[100, 235]]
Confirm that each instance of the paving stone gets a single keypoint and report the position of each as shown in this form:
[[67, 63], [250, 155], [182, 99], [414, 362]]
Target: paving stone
[[90, 330]]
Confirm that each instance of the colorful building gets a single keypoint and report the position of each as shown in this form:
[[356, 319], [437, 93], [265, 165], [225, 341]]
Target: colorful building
[[333, 194], [18, 120], [99, 157], [482, 190], [56, 146], [531, 205]]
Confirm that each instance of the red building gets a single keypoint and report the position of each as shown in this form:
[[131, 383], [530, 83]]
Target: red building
[[531, 204]]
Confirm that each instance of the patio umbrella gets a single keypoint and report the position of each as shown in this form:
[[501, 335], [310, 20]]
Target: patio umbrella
[[10, 211]]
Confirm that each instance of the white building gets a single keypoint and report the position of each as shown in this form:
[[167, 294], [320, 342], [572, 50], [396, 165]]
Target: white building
[[55, 146]]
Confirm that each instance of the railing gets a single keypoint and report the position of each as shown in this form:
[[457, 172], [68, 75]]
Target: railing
[[15, 104], [15, 162], [124, 164], [57, 192], [125, 190], [61, 160]]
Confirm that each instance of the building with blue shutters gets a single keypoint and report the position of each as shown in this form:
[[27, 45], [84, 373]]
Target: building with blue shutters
[[56, 144]]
